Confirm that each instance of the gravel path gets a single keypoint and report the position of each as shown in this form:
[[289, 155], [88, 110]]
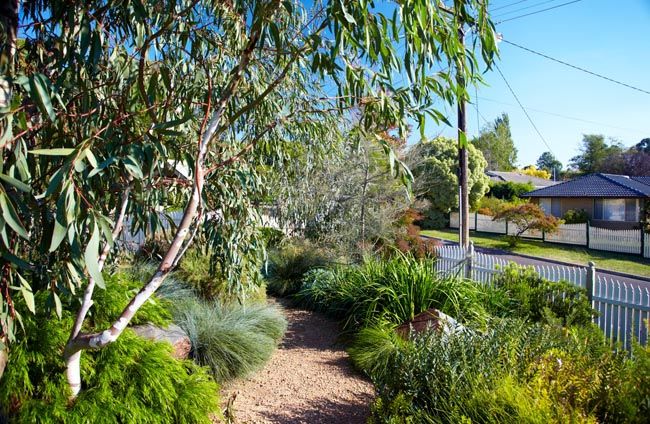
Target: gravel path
[[308, 380]]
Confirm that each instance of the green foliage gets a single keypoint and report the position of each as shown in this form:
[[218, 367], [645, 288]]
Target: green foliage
[[197, 269], [373, 349], [290, 262], [511, 373], [120, 289], [496, 144], [131, 380], [272, 237], [548, 162], [232, 340], [91, 74], [527, 295], [573, 216], [349, 201], [492, 206], [434, 164], [509, 190], [391, 291], [595, 152]]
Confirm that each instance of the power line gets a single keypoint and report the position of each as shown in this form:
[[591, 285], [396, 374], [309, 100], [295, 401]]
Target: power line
[[523, 108], [508, 5], [538, 11], [577, 67], [572, 118], [509, 12]]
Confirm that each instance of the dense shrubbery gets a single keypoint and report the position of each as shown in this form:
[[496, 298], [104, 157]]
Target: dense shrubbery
[[132, 380], [521, 292], [509, 190], [389, 291], [492, 206], [289, 263], [526, 354], [513, 373]]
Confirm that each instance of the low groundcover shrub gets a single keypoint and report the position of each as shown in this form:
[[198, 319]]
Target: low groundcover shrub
[[131, 380]]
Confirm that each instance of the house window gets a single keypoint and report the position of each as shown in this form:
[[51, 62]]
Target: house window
[[551, 206], [616, 209]]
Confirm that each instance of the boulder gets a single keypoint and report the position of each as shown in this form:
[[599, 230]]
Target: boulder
[[172, 334], [429, 319]]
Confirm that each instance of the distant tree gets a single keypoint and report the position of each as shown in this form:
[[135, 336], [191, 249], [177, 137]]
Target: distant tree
[[548, 162], [495, 142], [527, 216], [631, 162], [534, 172], [643, 145], [595, 152], [434, 164]]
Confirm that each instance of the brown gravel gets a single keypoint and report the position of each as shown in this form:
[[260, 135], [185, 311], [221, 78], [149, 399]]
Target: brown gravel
[[308, 380]]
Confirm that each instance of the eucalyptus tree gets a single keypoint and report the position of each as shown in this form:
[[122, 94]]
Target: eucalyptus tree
[[106, 95]]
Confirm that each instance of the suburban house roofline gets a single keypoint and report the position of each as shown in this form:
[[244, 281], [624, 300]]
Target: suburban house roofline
[[597, 186]]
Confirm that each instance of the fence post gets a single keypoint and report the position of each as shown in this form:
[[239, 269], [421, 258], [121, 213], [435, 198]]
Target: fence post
[[506, 227], [543, 236], [469, 257], [587, 227], [642, 242], [591, 280], [476, 221]]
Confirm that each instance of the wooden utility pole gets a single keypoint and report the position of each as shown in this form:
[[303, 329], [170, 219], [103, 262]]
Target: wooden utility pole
[[462, 148]]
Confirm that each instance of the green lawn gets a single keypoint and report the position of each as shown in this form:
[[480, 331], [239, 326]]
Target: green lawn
[[629, 264]]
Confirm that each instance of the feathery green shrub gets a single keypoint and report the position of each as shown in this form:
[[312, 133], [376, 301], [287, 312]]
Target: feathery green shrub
[[232, 340], [521, 292], [513, 372], [131, 380], [288, 264]]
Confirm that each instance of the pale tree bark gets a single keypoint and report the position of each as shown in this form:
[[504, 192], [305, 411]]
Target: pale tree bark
[[73, 360], [98, 340], [4, 355], [9, 24]]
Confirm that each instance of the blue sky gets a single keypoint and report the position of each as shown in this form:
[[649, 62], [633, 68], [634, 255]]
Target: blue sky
[[608, 37]]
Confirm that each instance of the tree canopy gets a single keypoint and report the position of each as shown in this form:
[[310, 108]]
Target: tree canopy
[[434, 164], [101, 101], [594, 153], [496, 144], [548, 162]]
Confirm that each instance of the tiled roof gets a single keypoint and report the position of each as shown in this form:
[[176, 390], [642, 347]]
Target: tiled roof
[[597, 185], [518, 177]]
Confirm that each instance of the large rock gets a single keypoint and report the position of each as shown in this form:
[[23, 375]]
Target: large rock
[[172, 334], [431, 319]]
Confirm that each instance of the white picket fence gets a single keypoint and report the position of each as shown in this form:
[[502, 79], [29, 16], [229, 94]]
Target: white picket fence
[[623, 308], [622, 241], [569, 234]]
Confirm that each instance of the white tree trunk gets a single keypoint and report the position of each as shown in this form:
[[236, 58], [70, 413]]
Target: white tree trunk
[[98, 340]]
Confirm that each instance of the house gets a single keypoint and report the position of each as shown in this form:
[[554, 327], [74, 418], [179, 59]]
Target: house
[[611, 201], [518, 177]]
